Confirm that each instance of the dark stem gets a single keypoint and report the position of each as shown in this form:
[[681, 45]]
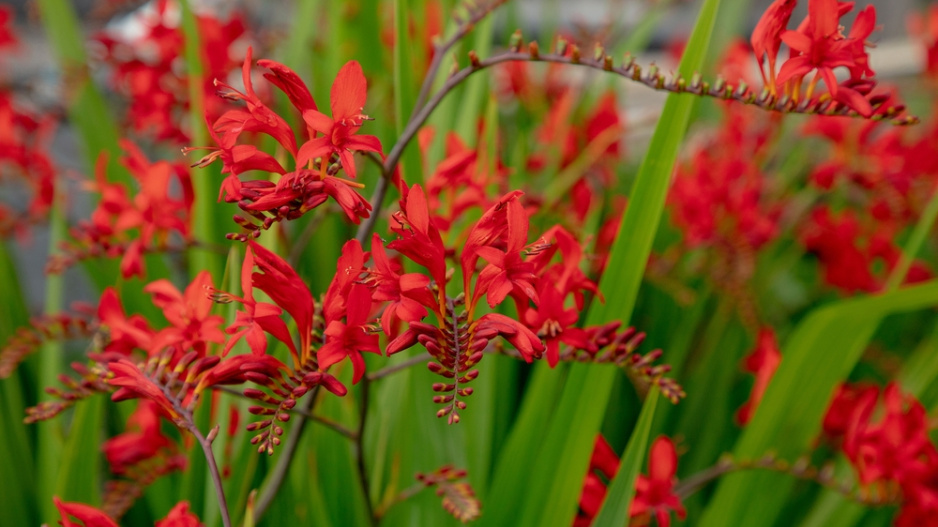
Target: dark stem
[[387, 167], [186, 421], [213, 470], [800, 469], [359, 452], [279, 473]]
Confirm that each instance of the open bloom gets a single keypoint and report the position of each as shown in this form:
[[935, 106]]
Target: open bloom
[[817, 46], [654, 494], [339, 132]]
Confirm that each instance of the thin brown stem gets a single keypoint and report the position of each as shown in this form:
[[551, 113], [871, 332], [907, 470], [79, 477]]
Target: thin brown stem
[[416, 121], [206, 444], [187, 422], [629, 70], [800, 469]]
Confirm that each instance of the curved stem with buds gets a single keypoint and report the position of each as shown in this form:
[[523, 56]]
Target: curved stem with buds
[[629, 69]]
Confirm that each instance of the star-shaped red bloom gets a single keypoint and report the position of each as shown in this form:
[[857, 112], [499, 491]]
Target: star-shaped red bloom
[[654, 494], [350, 338], [349, 91]]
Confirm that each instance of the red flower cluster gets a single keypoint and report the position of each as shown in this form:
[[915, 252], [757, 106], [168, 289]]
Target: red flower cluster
[[25, 137], [817, 46], [129, 226], [317, 159], [722, 200], [146, 67], [654, 494], [81, 515], [849, 250], [893, 451]]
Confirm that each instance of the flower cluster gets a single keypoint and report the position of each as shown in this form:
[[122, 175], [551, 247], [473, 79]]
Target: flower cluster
[[817, 46], [145, 62], [88, 516], [880, 180], [893, 451], [129, 223], [25, 137], [654, 493], [317, 158]]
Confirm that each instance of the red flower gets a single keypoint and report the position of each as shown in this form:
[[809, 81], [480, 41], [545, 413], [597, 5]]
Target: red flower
[[763, 362], [280, 281], [133, 384], [766, 37], [7, 37], [257, 117], [419, 239], [193, 325], [654, 494], [408, 294], [818, 46], [180, 516], [554, 324], [143, 439], [349, 91], [349, 339], [348, 271], [84, 515], [603, 462], [126, 334], [257, 318]]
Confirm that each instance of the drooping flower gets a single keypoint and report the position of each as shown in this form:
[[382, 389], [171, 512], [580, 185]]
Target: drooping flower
[[604, 463], [142, 440], [258, 318], [767, 36]]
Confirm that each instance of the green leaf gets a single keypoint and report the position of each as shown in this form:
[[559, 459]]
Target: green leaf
[[405, 89], [16, 453], [79, 467], [615, 509], [819, 354]]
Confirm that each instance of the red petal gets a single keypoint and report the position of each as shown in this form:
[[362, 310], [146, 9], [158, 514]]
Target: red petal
[[663, 460], [319, 122], [312, 149], [349, 91]]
